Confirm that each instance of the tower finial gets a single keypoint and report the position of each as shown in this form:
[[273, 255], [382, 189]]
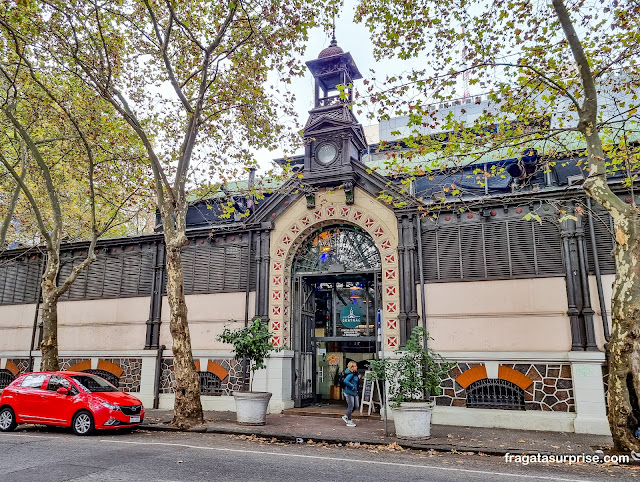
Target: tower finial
[[333, 32]]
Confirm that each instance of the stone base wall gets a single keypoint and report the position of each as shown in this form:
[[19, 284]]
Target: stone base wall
[[551, 390], [132, 370], [232, 382]]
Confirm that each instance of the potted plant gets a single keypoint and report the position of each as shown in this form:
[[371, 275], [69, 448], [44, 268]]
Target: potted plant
[[251, 344], [412, 379]]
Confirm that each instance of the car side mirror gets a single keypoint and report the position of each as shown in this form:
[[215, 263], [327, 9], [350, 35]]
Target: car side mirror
[[63, 391]]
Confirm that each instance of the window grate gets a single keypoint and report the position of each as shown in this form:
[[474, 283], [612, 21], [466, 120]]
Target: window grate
[[210, 384], [6, 377], [495, 393], [108, 376]]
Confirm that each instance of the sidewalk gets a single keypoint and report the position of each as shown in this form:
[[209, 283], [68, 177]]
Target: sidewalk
[[443, 437]]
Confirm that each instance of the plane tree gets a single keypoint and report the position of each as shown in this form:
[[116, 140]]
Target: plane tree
[[562, 78]]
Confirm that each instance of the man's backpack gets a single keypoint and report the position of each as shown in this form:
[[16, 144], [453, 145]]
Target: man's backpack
[[341, 381]]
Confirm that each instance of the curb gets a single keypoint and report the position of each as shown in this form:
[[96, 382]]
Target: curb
[[334, 440]]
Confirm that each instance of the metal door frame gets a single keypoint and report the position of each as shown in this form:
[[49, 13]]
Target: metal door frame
[[303, 335]]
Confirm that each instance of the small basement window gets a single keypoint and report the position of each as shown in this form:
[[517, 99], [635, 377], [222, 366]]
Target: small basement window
[[108, 376], [495, 393], [210, 384]]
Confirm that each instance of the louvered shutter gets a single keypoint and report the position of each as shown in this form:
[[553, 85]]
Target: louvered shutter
[[78, 289], [11, 272], [216, 270], [472, 249], [449, 253], [497, 250], [130, 274], [548, 249], [95, 278], [202, 269], [430, 255], [521, 245], [146, 273], [112, 275], [232, 266], [21, 281], [605, 243], [33, 281]]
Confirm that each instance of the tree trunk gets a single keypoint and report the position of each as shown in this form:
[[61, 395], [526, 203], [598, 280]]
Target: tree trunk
[[624, 345], [188, 407], [49, 346]]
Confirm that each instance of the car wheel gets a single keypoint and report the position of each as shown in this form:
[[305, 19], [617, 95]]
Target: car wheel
[[82, 423], [7, 419]]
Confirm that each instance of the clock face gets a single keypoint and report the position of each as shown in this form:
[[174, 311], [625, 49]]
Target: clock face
[[326, 153]]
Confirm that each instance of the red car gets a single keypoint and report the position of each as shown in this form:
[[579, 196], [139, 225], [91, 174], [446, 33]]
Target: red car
[[82, 401]]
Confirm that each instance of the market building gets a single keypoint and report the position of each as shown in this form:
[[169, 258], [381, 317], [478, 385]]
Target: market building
[[521, 307]]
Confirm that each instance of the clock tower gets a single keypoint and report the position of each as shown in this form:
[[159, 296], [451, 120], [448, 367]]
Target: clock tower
[[334, 139]]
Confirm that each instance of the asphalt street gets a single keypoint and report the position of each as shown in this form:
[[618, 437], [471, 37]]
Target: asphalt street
[[57, 455]]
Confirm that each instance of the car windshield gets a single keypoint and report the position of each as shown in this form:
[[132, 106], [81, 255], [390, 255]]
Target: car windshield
[[93, 383]]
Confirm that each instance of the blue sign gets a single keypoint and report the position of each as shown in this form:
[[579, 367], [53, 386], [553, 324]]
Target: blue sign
[[351, 316]]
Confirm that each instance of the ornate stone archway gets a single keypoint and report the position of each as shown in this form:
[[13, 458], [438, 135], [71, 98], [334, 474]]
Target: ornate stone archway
[[299, 222]]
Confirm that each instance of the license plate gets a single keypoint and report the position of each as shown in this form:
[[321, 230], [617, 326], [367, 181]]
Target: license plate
[[134, 419]]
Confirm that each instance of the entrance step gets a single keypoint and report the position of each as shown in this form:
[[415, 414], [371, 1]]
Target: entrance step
[[329, 411]]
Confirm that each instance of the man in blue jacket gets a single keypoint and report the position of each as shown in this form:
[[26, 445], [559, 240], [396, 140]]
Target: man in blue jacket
[[351, 391]]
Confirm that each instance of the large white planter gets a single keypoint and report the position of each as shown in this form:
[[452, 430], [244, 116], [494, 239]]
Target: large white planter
[[251, 407], [413, 420]]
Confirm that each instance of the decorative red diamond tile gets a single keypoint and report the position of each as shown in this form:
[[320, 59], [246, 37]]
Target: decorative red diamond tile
[[275, 341], [275, 325], [286, 311], [286, 240], [392, 307], [280, 253], [391, 290], [285, 341], [276, 281], [390, 258], [276, 295], [344, 212], [357, 215], [317, 214], [331, 212], [369, 222], [392, 324], [305, 221], [277, 266], [378, 232], [392, 341], [295, 229], [386, 244], [286, 281], [390, 274], [286, 295], [276, 310]]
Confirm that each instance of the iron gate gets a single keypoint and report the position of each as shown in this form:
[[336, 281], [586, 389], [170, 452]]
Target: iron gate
[[303, 345]]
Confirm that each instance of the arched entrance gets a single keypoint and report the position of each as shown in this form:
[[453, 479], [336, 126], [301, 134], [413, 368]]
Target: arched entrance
[[336, 294]]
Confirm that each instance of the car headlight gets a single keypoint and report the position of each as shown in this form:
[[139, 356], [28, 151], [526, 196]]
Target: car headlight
[[110, 406]]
